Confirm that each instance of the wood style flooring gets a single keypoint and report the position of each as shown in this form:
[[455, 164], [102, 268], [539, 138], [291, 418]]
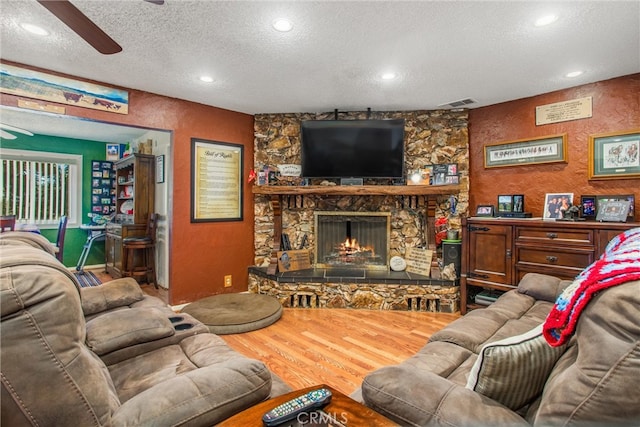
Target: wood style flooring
[[338, 347]]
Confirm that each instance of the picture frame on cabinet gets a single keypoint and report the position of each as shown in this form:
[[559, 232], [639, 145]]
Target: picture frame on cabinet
[[485, 210], [588, 207], [528, 151], [505, 203], [555, 204], [614, 155], [518, 203], [618, 197], [613, 211]]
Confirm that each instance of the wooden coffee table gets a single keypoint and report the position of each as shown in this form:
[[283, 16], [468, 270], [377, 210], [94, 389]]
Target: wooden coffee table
[[342, 408]]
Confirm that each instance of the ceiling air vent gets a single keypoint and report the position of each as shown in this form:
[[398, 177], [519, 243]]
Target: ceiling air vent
[[458, 104]]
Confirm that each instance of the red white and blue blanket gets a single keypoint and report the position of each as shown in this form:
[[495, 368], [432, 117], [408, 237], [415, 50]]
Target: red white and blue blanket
[[620, 263]]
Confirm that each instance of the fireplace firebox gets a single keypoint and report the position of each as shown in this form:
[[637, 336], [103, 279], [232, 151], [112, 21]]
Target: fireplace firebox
[[352, 239]]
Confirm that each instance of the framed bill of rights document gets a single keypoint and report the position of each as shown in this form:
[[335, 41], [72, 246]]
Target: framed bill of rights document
[[216, 181]]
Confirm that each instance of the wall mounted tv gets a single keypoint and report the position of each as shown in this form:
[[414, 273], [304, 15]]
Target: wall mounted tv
[[352, 148]]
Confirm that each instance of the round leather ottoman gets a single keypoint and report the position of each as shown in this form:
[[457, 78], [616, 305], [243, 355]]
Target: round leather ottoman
[[235, 313]]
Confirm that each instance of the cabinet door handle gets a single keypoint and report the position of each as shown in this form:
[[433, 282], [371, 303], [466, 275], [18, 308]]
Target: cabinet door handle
[[552, 258], [508, 253], [552, 235]]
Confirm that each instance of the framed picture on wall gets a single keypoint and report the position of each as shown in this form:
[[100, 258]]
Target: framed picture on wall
[[614, 155]]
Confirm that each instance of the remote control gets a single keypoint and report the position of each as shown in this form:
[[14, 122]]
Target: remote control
[[289, 410]]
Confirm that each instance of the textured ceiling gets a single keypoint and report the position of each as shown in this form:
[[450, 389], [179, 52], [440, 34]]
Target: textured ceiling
[[443, 51]]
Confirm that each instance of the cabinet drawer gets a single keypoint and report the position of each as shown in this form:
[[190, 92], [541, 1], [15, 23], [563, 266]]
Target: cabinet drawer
[[556, 257], [565, 237]]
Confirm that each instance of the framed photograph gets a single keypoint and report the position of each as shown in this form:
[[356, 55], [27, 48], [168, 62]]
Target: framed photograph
[[613, 211], [505, 203], [518, 203], [588, 207], [614, 155], [484, 210], [160, 169], [618, 197], [555, 204], [113, 152], [216, 181], [547, 149]]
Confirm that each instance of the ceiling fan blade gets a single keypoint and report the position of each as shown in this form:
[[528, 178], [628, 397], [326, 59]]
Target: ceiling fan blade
[[159, 2], [7, 135], [83, 26], [15, 129]]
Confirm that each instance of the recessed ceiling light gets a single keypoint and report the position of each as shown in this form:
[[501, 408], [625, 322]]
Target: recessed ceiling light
[[282, 25], [389, 76], [546, 20], [206, 79], [35, 29], [574, 74]]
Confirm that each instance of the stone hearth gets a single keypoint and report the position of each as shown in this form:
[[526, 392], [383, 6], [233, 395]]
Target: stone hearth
[[357, 288]]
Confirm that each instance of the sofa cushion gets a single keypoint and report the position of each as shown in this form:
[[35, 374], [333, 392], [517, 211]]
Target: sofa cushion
[[112, 331], [513, 371]]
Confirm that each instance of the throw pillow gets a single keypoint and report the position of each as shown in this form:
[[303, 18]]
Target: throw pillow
[[513, 371]]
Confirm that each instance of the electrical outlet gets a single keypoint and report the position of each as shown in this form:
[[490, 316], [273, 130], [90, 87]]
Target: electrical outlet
[[227, 281]]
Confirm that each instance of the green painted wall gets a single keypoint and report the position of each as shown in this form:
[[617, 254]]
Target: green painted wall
[[90, 150]]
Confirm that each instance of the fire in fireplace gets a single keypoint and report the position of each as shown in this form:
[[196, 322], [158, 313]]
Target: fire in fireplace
[[352, 239]]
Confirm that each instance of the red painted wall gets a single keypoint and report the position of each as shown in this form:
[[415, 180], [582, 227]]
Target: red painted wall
[[201, 254], [616, 107]]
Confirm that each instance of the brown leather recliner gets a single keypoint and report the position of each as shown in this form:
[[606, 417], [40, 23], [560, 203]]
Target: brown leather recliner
[[52, 373]]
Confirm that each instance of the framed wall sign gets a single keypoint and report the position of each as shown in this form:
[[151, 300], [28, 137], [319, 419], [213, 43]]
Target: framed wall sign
[[614, 155], [216, 181], [547, 149]]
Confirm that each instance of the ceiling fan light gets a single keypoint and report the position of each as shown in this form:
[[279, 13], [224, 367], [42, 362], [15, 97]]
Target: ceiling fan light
[[206, 79], [389, 76], [34, 29]]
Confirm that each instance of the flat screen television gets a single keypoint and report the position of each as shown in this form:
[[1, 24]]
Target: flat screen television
[[352, 148]]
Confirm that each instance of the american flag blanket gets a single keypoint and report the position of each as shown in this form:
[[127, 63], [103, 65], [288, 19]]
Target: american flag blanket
[[620, 263]]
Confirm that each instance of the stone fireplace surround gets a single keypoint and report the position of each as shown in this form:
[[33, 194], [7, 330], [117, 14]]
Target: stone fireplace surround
[[431, 137]]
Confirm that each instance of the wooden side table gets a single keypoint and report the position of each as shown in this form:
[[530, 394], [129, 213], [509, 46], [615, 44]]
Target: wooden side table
[[342, 409]]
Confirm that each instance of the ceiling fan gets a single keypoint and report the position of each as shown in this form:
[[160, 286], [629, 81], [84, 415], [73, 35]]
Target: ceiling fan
[[4, 131], [83, 26]]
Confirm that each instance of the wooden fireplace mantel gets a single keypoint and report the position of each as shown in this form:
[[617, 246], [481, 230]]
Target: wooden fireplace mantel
[[357, 190], [276, 192]]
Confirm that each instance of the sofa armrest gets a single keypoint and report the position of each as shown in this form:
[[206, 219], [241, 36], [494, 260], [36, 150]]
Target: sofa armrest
[[542, 286], [110, 295], [424, 398], [125, 328], [204, 396]]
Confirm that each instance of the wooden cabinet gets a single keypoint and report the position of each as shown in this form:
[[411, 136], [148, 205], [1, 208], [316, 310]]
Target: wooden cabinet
[[497, 253], [135, 201], [135, 188]]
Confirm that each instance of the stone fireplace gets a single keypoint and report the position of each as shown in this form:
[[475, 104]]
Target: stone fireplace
[[352, 239]]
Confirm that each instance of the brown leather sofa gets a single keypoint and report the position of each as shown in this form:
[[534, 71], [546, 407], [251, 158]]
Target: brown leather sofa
[[590, 381], [127, 359]]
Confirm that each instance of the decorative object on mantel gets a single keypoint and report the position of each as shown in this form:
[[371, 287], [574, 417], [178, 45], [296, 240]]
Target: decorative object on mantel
[[397, 263], [613, 211], [418, 261], [630, 197]]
